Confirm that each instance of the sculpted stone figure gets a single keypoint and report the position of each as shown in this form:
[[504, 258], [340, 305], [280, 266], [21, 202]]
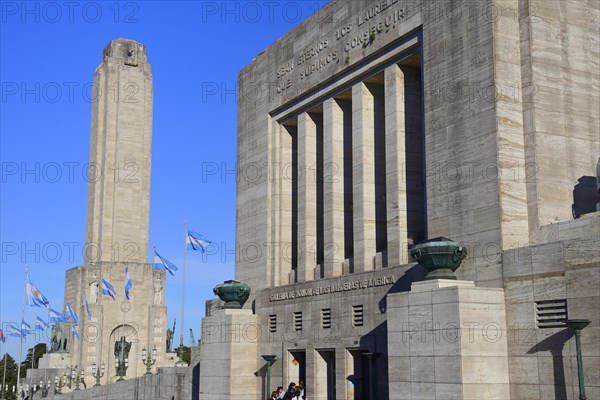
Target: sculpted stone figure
[[170, 333], [158, 290], [56, 342], [122, 348], [94, 289]]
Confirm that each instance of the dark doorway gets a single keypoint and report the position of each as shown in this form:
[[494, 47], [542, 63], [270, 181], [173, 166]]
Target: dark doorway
[[297, 368]]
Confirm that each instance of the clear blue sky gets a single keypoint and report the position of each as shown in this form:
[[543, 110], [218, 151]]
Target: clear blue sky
[[48, 54]]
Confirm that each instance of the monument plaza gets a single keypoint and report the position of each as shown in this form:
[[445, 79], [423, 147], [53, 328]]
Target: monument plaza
[[417, 212]]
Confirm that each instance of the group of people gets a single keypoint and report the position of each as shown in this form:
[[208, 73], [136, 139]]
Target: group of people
[[294, 392]]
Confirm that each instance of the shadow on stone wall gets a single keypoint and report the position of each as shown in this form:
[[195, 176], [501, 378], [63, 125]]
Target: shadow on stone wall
[[555, 345], [412, 274], [585, 196], [375, 342], [196, 382]]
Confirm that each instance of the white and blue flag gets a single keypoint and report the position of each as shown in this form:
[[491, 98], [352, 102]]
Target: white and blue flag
[[87, 306], [128, 283], [40, 324], [74, 332], [196, 241], [163, 263], [72, 314], [26, 328], [35, 298], [15, 332], [108, 289], [56, 316]]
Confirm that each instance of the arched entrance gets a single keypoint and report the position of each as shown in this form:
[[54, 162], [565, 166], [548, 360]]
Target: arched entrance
[[131, 336]]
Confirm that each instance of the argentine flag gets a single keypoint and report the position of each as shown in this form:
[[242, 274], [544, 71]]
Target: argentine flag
[[128, 283], [40, 324], [72, 314], [55, 316], [108, 289], [2, 337], [74, 332], [15, 332], [196, 241], [87, 306], [35, 298], [25, 328], [162, 263]]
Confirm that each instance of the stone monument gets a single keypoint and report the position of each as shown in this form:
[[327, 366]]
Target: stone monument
[[118, 207]]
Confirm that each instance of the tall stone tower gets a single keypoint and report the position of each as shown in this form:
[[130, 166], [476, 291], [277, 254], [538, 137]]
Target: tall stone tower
[[118, 209], [118, 203]]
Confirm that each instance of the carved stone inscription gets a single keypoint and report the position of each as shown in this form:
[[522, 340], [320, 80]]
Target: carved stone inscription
[[329, 289], [376, 20]]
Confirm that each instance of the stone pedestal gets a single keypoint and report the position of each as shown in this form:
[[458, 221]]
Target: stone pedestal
[[229, 355], [54, 360], [447, 340]]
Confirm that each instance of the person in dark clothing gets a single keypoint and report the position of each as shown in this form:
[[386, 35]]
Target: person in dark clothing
[[289, 394]]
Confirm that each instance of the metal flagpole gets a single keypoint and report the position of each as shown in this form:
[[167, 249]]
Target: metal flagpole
[[46, 333], [181, 362], [83, 313], [4, 376], [32, 366], [21, 328]]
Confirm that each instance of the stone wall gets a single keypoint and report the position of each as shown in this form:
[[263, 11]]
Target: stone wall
[[168, 384], [564, 269]]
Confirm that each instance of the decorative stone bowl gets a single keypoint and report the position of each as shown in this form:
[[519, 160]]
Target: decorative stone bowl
[[233, 293], [440, 257], [577, 324]]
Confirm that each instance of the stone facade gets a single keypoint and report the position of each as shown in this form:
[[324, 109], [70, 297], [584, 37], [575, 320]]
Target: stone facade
[[117, 228], [378, 124], [142, 319]]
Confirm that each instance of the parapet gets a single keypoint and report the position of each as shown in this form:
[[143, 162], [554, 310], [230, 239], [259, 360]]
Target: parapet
[[128, 51]]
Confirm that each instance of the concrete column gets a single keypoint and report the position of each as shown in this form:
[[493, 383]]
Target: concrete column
[[228, 361], [345, 364], [395, 155], [284, 245], [272, 261], [363, 177], [307, 197], [333, 170]]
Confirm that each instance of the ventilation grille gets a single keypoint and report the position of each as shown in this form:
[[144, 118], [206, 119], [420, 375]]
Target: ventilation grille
[[326, 318], [298, 321], [273, 323], [551, 313], [357, 315]]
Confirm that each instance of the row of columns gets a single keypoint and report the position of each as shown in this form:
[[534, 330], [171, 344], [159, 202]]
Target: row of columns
[[336, 232]]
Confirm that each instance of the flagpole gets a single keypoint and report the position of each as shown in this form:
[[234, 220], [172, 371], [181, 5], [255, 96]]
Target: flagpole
[[181, 362], [83, 321], [46, 337], [5, 359], [32, 366], [21, 328]]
